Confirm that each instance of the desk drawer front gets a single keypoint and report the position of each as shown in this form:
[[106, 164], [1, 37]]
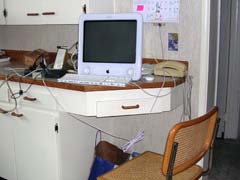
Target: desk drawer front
[[124, 107], [41, 100], [36, 96]]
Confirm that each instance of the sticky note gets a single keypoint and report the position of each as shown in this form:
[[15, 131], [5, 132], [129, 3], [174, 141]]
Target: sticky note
[[140, 7]]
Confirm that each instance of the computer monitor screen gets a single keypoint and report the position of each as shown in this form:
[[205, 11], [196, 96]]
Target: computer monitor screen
[[110, 44]]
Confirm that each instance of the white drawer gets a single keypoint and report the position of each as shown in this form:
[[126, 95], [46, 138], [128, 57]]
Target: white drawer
[[36, 96], [124, 107], [166, 101]]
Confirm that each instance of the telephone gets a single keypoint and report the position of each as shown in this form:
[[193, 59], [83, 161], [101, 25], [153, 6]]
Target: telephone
[[170, 68]]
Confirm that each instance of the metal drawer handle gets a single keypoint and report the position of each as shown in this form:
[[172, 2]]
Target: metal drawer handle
[[32, 14], [29, 98], [16, 114], [130, 107], [48, 13]]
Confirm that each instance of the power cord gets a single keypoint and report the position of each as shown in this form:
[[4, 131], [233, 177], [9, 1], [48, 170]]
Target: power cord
[[187, 95], [153, 95], [19, 93], [78, 119]]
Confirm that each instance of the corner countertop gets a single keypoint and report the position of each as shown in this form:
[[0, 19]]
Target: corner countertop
[[13, 63]]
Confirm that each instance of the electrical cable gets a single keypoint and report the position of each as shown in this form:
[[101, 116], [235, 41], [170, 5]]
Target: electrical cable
[[20, 92], [78, 119], [75, 46], [187, 94], [153, 95], [71, 59], [15, 100], [23, 76], [15, 105], [6, 78], [161, 41], [156, 98]]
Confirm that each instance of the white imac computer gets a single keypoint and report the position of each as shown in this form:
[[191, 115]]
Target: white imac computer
[[110, 44]]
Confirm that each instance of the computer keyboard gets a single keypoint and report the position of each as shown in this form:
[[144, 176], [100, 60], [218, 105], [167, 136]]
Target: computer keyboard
[[118, 81]]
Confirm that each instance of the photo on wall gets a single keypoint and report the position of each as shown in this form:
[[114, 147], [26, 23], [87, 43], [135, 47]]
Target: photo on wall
[[172, 41]]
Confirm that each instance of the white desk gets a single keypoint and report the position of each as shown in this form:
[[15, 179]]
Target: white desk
[[45, 142]]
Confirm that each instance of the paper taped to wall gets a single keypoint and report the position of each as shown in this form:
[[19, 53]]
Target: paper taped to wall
[[158, 11]]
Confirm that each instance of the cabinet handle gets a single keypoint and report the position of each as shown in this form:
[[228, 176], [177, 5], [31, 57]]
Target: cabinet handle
[[130, 107], [84, 8], [16, 114], [29, 98], [3, 111], [48, 13], [32, 14]]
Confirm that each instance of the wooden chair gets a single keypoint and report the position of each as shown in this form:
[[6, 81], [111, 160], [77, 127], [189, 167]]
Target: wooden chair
[[187, 143]]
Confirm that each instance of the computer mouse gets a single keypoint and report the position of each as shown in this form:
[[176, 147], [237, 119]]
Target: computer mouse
[[148, 78]]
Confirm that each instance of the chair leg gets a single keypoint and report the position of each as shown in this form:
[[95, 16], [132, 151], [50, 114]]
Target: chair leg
[[172, 160], [210, 156]]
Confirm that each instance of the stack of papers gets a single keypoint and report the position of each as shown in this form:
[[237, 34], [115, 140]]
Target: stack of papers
[[4, 59]]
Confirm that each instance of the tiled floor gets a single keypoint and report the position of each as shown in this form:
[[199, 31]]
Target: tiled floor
[[226, 160]]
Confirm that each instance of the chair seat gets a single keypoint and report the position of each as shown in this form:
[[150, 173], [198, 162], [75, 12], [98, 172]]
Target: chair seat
[[148, 166]]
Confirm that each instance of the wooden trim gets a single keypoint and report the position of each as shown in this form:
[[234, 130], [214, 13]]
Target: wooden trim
[[212, 114], [86, 88]]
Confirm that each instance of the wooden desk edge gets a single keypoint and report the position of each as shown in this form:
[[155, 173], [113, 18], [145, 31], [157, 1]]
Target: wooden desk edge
[[17, 57], [86, 88]]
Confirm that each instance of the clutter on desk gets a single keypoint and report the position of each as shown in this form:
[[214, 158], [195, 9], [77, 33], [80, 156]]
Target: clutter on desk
[[31, 58], [3, 57]]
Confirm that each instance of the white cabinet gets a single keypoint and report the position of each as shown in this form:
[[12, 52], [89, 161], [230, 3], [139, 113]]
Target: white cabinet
[[35, 145], [2, 18], [28, 137], [96, 6], [53, 11], [24, 12], [62, 11], [7, 155], [28, 145]]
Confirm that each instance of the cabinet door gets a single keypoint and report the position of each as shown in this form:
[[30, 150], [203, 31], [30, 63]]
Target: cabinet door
[[35, 145], [68, 12], [62, 11], [2, 19], [24, 12], [53, 11], [7, 158], [96, 6]]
